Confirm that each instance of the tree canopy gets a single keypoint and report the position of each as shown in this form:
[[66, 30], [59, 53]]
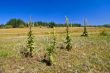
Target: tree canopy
[[15, 23], [19, 23]]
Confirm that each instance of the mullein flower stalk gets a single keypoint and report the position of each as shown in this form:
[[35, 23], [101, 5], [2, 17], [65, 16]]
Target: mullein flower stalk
[[30, 39], [68, 39], [48, 58], [85, 33]]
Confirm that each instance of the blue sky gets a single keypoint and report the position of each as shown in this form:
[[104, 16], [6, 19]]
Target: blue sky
[[96, 11]]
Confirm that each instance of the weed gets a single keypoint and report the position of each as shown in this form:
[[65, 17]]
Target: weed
[[68, 39], [48, 57], [85, 33], [103, 33], [29, 49]]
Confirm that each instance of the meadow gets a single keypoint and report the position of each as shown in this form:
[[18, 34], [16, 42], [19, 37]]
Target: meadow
[[88, 54]]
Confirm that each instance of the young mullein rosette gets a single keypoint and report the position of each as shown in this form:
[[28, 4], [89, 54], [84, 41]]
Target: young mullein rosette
[[68, 39]]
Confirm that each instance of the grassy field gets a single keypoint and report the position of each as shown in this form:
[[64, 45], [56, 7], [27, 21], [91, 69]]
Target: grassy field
[[88, 55]]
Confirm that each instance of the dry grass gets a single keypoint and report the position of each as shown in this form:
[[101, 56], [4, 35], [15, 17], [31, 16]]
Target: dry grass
[[88, 55], [44, 30]]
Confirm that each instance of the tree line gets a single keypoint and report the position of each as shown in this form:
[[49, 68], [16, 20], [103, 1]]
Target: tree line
[[19, 23]]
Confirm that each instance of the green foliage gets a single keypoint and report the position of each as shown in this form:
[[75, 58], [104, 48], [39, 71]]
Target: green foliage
[[22, 26], [40, 23], [48, 58], [52, 24], [85, 33], [19, 23], [75, 25], [49, 24], [106, 25], [54, 38], [3, 53], [15, 23], [30, 43], [2, 25], [8, 26], [68, 39], [28, 52], [104, 33]]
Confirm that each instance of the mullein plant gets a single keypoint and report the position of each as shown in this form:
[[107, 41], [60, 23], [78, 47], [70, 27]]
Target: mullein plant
[[30, 40], [54, 38], [48, 58], [68, 39], [85, 33]]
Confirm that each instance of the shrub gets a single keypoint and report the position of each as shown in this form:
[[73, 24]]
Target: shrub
[[8, 26], [21, 26], [15, 23]]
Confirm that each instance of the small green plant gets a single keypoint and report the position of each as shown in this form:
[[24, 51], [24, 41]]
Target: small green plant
[[27, 52], [85, 33], [30, 39], [48, 58], [54, 38], [68, 39], [3, 53], [103, 33]]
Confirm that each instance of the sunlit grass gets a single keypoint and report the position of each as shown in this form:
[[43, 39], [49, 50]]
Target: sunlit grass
[[88, 55]]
